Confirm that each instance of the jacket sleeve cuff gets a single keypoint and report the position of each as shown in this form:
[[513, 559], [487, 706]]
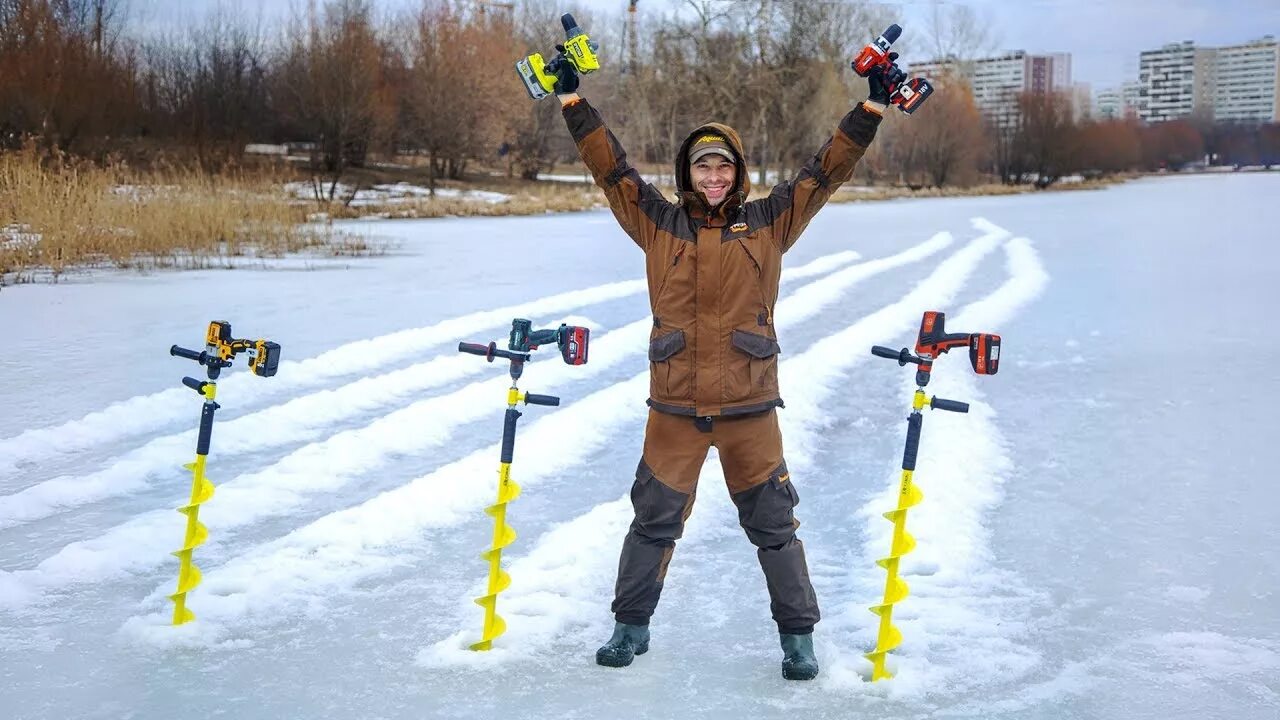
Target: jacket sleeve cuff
[[860, 125], [581, 118]]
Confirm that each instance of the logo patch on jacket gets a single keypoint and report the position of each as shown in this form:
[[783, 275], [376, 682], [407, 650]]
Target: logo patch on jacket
[[738, 227]]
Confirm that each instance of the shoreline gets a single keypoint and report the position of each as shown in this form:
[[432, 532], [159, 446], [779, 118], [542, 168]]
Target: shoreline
[[568, 197]]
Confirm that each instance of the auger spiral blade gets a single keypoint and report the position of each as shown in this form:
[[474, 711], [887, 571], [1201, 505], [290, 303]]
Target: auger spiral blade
[[196, 534]]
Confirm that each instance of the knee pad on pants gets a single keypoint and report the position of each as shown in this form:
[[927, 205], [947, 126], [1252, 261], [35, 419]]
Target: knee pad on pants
[[766, 511], [660, 511]]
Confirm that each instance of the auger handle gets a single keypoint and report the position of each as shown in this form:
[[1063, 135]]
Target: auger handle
[[938, 403], [194, 384], [188, 354], [903, 356], [485, 351], [532, 399], [213, 362]]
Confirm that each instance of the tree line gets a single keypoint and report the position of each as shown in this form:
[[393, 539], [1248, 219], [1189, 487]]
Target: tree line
[[349, 81]]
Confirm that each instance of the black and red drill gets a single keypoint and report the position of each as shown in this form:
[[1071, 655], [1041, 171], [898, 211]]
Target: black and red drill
[[908, 94]]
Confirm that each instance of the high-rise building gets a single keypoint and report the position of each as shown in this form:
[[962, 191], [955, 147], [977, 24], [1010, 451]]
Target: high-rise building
[[1130, 94], [1173, 81], [1106, 103], [1245, 82], [1237, 82], [998, 81], [1117, 103], [1061, 71], [1081, 101]]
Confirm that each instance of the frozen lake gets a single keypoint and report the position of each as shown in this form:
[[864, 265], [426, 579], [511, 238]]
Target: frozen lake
[[1097, 537]]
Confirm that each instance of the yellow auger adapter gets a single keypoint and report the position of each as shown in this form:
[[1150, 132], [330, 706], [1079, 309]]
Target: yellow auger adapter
[[220, 350], [572, 342], [933, 340]]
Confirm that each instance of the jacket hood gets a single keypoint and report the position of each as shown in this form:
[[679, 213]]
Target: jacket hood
[[741, 180]]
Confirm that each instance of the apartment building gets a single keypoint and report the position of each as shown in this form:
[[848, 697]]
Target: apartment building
[[998, 81], [1237, 82], [1245, 82]]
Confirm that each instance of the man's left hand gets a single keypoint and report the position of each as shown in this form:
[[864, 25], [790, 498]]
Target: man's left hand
[[883, 80]]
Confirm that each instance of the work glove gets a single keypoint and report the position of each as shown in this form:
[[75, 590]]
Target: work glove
[[566, 75], [883, 80]]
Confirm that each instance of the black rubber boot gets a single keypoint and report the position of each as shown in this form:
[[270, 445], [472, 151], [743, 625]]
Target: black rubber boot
[[798, 662], [627, 642]]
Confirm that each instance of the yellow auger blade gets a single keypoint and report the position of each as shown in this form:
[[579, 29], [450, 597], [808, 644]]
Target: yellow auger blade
[[891, 640], [202, 492], [500, 582], [499, 627], [188, 573], [506, 536], [900, 547], [197, 534], [507, 492], [181, 614], [494, 625], [895, 591]]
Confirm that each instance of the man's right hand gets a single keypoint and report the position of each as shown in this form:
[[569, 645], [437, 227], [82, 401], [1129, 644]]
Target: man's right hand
[[566, 75]]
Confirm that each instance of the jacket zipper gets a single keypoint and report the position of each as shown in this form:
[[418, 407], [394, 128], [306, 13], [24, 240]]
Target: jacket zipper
[[667, 275], [759, 290]]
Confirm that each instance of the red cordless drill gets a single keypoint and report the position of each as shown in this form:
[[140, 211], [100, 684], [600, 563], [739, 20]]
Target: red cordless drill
[[909, 94]]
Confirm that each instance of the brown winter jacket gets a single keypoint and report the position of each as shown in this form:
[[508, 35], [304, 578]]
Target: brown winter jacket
[[714, 273]]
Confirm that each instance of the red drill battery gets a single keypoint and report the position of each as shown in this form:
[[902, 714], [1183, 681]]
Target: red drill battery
[[574, 341]]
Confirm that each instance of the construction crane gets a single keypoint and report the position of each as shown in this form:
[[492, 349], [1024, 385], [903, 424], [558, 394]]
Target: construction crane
[[629, 64]]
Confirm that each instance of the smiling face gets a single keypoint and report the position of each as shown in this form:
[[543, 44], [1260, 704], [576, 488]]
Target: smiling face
[[713, 175]]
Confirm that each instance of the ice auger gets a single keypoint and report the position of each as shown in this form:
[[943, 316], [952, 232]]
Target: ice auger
[[572, 341], [220, 349], [933, 340]]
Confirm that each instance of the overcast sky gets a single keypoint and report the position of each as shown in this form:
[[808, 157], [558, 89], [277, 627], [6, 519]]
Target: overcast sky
[[1103, 36]]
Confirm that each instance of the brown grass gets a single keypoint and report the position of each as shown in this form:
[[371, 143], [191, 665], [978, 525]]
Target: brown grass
[[57, 213], [526, 199]]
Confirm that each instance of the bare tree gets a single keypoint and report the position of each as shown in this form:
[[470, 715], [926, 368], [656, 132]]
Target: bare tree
[[1047, 136], [331, 85], [460, 87]]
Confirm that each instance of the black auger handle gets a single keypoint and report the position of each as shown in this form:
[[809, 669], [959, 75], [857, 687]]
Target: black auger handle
[[485, 351], [903, 356], [532, 399], [204, 358], [188, 354], [951, 405], [194, 384]]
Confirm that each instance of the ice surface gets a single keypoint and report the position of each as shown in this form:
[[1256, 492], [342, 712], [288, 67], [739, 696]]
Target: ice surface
[[1097, 536]]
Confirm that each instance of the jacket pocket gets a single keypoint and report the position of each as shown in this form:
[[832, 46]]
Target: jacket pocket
[[670, 370], [754, 367]]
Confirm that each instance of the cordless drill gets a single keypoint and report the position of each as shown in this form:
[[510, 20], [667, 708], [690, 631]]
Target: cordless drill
[[578, 50], [908, 94]]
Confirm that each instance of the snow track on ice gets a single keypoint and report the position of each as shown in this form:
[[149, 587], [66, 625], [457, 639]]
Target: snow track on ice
[[562, 584], [961, 621], [148, 413], [361, 540], [328, 465]]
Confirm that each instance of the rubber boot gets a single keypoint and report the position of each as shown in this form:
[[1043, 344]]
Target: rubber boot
[[798, 662], [627, 642]]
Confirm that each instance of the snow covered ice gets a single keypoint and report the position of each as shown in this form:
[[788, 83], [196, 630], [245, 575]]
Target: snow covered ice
[[1097, 537]]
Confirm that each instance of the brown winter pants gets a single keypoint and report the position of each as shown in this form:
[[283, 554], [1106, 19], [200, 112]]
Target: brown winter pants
[[750, 449]]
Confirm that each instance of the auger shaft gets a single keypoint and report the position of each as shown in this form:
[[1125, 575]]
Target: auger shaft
[[201, 490], [503, 534], [896, 590]]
